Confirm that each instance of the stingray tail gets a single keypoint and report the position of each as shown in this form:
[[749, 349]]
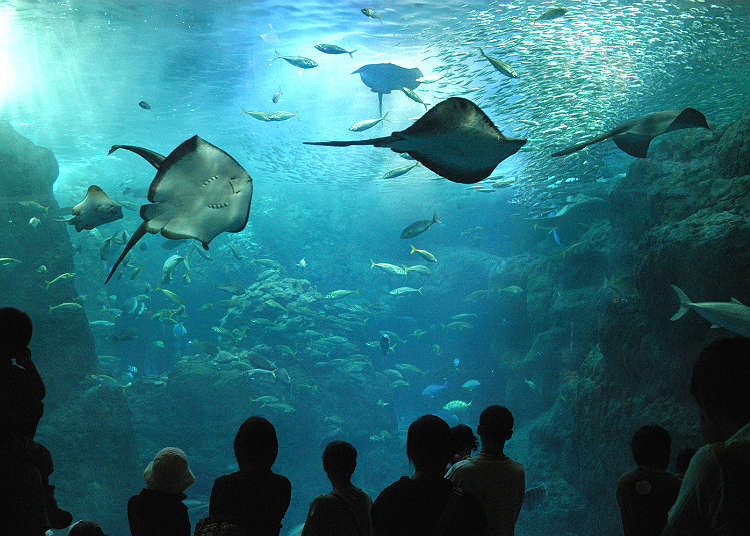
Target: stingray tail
[[380, 105], [137, 235], [377, 142], [155, 159]]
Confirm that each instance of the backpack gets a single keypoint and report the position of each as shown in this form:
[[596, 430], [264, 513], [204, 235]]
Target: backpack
[[215, 527]]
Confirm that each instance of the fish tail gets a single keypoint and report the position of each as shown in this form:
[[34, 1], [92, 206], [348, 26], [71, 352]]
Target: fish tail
[[413, 249], [244, 111], [435, 218], [372, 264], [684, 303], [385, 117], [420, 290], [352, 52], [481, 51], [296, 114], [277, 55]]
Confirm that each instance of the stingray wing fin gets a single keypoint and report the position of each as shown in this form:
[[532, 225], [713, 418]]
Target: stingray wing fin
[[688, 118], [633, 144]]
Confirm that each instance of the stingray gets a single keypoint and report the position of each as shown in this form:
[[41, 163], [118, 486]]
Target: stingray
[[386, 77], [455, 139], [199, 192], [635, 136], [97, 208]]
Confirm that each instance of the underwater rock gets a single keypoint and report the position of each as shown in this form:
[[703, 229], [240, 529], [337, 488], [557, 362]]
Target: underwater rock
[[733, 151], [63, 347]]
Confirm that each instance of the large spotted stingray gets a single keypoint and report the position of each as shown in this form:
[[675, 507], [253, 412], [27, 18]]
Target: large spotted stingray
[[455, 139], [199, 192]]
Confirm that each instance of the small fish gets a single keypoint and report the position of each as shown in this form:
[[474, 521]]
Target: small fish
[[34, 205], [390, 268], [456, 362], [552, 13], [500, 65], [276, 96], [66, 307], [302, 263], [171, 295], [60, 277], [426, 255], [459, 325], [413, 96], [338, 294], [406, 156], [159, 344], [397, 172], [464, 316], [470, 385], [532, 386], [179, 331], [34, 222], [334, 49], [297, 61], [456, 406], [419, 227], [42, 269], [419, 268], [170, 265], [101, 323], [403, 291], [282, 116], [367, 124], [369, 12], [260, 116], [433, 390], [7, 261], [143, 104]]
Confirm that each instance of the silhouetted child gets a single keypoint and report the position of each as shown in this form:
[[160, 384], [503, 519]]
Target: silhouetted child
[[715, 491], [682, 461], [346, 510], [463, 443], [254, 498], [158, 509], [35, 508], [646, 493], [427, 503], [494, 478]]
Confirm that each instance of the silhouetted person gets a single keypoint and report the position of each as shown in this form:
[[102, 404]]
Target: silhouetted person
[[682, 461], [497, 481], [427, 503], [715, 494], [29, 464], [255, 498], [158, 509], [463, 443], [646, 493], [346, 510], [86, 528]]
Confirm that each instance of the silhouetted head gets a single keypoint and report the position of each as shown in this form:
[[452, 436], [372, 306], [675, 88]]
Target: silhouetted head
[[15, 328], [463, 442], [651, 445], [428, 444], [683, 460], [339, 459], [721, 376], [85, 528], [255, 445], [495, 424]]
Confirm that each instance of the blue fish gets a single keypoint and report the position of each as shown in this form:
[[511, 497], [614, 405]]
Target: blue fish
[[179, 331], [456, 362], [556, 236], [433, 390]]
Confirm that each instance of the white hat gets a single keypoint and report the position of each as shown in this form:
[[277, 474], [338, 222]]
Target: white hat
[[169, 471]]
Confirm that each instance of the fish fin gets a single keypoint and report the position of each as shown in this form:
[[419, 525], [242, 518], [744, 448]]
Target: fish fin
[[688, 118], [137, 235], [684, 303], [413, 249], [385, 117], [738, 302], [435, 218], [277, 55], [633, 144], [296, 114], [352, 52], [420, 290]]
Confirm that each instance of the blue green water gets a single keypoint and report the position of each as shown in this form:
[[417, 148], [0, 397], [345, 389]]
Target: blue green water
[[74, 73]]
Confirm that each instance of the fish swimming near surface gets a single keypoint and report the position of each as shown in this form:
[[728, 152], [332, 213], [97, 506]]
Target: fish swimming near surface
[[260, 116], [733, 315], [551, 14], [582, 210], [382, 78], [426, 255], [297, 61], [143, 104], [455, 139], [419, 227], [500, 65], [371, 13], [95, 209], [276, 96], [334, 49], [367, 124], [635, 135], [401, 170], [199, 192]]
